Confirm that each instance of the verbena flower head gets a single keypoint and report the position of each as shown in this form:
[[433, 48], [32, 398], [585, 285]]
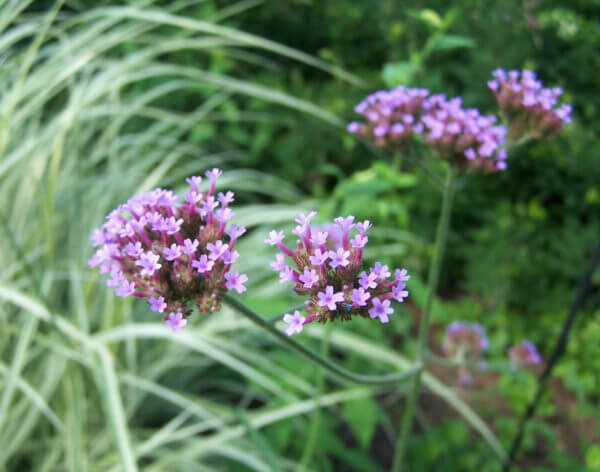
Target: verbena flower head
[[333, 276], [391, 116], [524, 354], [530, 109], [465, 340], [171, 253], [462, 136]]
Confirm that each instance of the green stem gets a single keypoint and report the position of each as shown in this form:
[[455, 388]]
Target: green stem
[[434, 275], [316, 358]]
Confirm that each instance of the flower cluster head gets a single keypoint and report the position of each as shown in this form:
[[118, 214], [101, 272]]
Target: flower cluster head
[[171, 253], [459, 135], [524, 354], [329, 270], [530, 109], [465, 341]]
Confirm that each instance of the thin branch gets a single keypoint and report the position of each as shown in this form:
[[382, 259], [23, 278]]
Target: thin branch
[[559, 349], [316, 358], [274, 319]]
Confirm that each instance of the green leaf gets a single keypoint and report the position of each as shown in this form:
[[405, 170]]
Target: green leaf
[[449, 42], [427, 16], [396, 73], [362, 415], [592, 457]]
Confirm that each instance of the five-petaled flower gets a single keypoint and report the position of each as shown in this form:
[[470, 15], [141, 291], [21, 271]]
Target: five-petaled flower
[[176, 321], [295, 323]]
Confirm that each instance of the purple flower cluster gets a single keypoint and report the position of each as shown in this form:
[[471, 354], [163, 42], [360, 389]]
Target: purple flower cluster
[[465, 341], [530, 109], [332, 274], [460, 135], [391, 116], [170, 253], [524, 354]]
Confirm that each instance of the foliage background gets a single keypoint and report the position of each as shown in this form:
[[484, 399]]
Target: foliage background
[[101, 99]]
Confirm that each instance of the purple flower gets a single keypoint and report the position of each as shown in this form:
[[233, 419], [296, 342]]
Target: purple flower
[[234, 232], [172, 253], [368, 280], [392, 117], [300, 230], [329, 299], [275, 238], [381, 310], [360, 296], [213, 174], [157, 304], [148, 261], [172, 225], [216, 250], [318, 258], [208, 206], [319, 238], [334, 279], [532, 109], [142, 242], [176, 321], [465, 338], [97, 237], [339, 258], [203, 264], [524, 354], [235, 280], [116, 276], [133, 249], [398, 292], [229, 257], [225, 198], [380, 271], [295, 323], [359, 241], [223, 215], [309, 278], [189, 247], [287, 275], [126, 289], [363, 226], [303, 219], [401, 275], [279, 263], [194, 181], [345, 224], [353, 127]]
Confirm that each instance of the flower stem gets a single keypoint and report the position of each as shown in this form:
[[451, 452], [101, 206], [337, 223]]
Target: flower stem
[[274, 319], [434, 275], [585, 288], [316, 358]]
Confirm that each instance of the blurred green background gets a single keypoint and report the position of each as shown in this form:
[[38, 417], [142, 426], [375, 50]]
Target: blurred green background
[[102, 99]]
